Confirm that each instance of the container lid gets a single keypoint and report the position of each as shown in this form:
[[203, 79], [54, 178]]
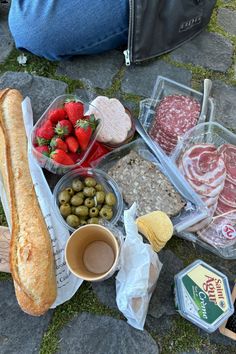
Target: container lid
[[203, 295]]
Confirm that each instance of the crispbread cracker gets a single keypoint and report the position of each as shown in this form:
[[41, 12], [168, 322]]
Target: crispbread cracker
[[142, 182]]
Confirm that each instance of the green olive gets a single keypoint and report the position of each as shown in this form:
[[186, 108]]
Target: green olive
[[70, 191], [76, 200], [65, 209], [90, 182], [100, 197], [99, 206], [77, 185], [83, 222], [89, 202], [110, 199], [64, 197], [106, 213], [81, 194], [82, 210], [73, 208], [93, 212], [73, 220], [93, 221], [99, 187], [89, 191]]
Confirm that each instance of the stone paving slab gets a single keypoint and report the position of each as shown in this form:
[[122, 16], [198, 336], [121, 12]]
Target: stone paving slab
[[225, 102], [6, 41], [210, 50], [98, 69], [227, 20], [41, 90], [92, 334], [19, 332], [141, 79]]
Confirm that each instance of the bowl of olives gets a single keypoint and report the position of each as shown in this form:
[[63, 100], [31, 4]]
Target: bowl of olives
[[87, 196]]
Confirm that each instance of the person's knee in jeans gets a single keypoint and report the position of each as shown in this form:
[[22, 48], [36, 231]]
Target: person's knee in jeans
[[57, 39]]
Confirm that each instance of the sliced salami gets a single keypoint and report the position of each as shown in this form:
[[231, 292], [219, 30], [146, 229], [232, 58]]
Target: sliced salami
[[223, 208], [228, 195]]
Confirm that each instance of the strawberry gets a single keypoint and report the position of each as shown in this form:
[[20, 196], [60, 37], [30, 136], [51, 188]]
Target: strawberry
[[44, 150], [56, 115], [74, 110], [58, 143], [84, 129], [61, 157], [64, 128], [74, 156], [72, 143], [46, 131]]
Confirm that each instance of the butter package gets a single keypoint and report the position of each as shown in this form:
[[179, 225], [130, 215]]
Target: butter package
[[203, 296]]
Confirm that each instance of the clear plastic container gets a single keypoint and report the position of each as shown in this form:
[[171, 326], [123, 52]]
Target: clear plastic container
[[203, 296], [166, 87], [101, 177], [48, 163], [189, 215], [211, 133]]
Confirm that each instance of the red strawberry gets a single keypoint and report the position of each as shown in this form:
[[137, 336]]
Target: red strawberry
[[61, 157], [56, 115], [58, 143], [46, 131], [44, 150], [74, 110], [84, 129], [64, 128], [74, 156], [72, 143]]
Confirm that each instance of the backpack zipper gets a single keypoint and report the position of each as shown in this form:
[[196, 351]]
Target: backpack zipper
[[128, 51]]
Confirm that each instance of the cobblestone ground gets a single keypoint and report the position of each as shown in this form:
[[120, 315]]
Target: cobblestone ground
[[91, 322]]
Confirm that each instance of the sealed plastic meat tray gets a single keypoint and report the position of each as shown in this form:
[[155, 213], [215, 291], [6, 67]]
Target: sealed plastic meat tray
[[188, 214], [165, 87], [210, 133]]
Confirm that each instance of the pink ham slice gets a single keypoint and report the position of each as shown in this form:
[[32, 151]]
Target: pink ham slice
[[227, 198], [204, 166], [214, 233]]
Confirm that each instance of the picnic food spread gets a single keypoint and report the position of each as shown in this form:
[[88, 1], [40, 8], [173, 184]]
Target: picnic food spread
[[31, 258], [74, 134], [143, 182]]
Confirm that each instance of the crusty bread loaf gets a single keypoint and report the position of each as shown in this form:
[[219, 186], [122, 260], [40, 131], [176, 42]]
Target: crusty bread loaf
[[31, 257]]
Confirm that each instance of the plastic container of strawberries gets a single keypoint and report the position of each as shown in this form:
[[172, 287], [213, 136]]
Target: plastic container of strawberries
[[47, 162]]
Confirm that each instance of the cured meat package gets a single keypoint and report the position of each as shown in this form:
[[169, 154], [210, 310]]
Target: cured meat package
[[171, 112], [206, 157]]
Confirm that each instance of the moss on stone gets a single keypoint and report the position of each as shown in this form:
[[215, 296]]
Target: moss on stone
[[83, 301]]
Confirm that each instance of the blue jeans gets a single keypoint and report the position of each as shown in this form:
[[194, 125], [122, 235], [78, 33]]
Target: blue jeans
[[56, 29]]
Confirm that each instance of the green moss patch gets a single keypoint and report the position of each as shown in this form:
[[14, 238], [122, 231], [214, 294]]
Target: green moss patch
[[83, 301]]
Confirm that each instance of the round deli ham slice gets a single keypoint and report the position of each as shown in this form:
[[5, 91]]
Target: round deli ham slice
[[221, 232], [228, 152], [203, 165]]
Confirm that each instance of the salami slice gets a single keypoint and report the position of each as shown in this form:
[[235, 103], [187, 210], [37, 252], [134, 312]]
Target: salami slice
[[175, 115]]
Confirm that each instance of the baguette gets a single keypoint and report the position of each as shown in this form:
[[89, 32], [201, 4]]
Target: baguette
[[31, 258]]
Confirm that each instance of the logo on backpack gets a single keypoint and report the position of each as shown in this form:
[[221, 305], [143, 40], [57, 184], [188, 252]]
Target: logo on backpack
[[187, 25]]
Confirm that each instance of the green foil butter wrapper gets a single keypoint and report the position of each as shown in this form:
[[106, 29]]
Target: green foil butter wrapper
[[203, 296]]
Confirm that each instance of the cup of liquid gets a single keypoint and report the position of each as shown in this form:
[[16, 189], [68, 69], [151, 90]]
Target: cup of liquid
[[92, 252]]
